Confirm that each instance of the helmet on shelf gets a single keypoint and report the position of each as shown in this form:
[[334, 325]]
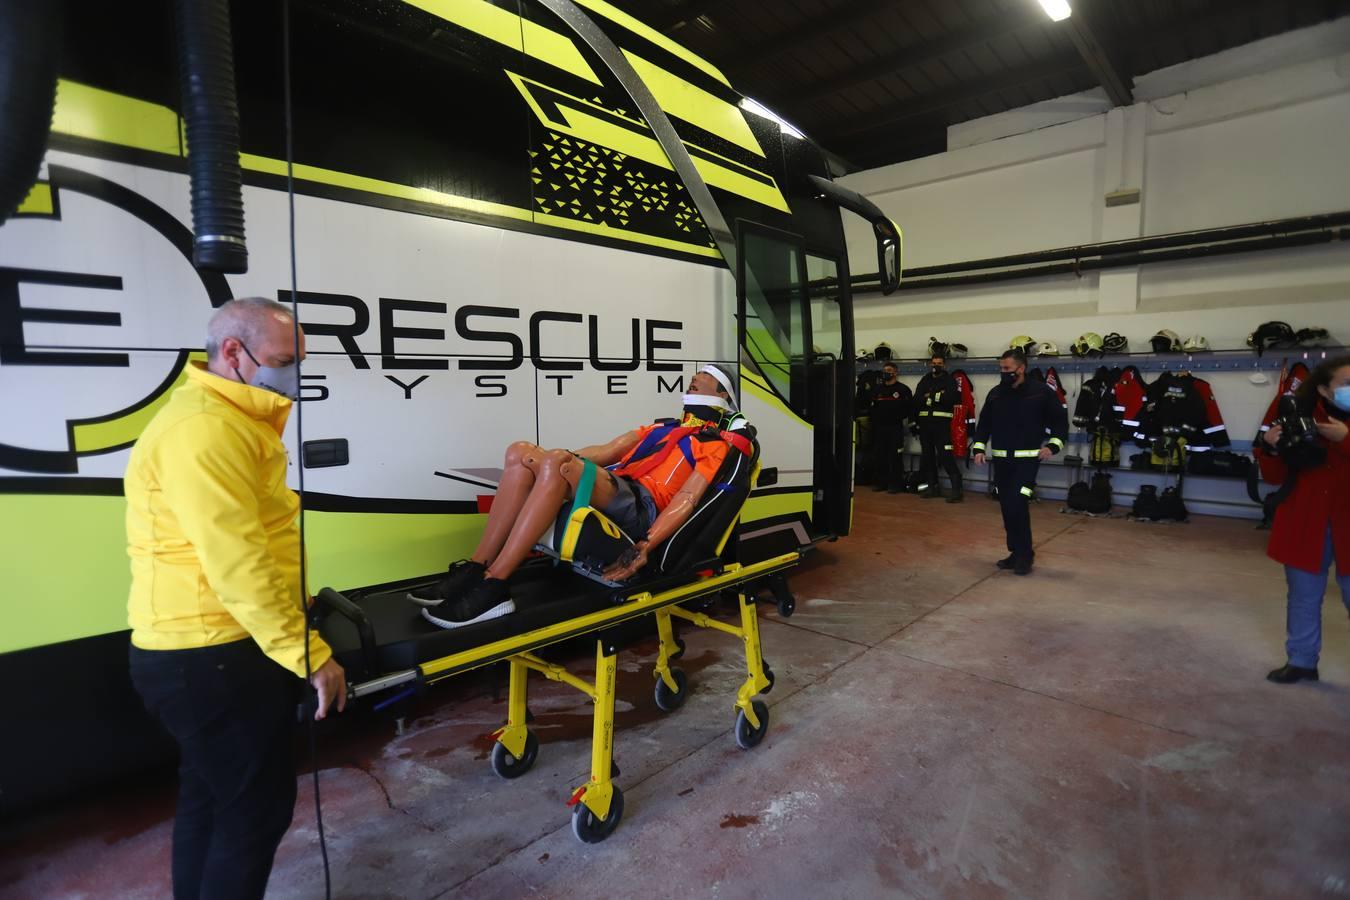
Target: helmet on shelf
[[957, 351], [1022, 342], [1047, 348], [1197, 343], [1115, 342], [1089, 344], [1165, 341], [1270, 334], [937, 348], [883, 352]]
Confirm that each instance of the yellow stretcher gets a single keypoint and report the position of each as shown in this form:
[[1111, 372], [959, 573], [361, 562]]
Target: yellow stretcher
[[383, 641], [597, 804]]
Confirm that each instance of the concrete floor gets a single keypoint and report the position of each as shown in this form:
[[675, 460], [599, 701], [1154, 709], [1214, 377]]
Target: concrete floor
[[1101, 728]]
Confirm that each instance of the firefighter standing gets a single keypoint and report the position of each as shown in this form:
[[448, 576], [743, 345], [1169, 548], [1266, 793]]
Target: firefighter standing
[[935, 402], [1022, 424], [892, 405]]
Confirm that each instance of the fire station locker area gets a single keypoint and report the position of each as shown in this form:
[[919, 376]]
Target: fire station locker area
[[1004, 341]]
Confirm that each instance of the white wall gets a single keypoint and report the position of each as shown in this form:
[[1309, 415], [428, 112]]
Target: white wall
[[1267, 142]]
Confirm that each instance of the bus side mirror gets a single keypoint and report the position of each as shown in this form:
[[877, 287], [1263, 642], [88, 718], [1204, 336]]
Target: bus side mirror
[[889, 241]]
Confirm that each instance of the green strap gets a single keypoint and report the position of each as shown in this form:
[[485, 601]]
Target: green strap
[[584, 487]]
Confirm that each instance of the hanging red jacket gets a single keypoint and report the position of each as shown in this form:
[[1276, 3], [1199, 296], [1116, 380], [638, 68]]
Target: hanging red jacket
[[963, 419], [1127, 399], [1052, 379], [1216, 432], [1289, 382], [1320, 496]]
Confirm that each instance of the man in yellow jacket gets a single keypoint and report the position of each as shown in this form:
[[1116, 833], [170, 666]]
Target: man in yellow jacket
[[217, 605]]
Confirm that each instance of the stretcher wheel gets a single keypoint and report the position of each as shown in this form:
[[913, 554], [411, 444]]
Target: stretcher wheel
[[591, 830], [668, 700], [747, 737], [507, 766], [679, 643], [782, 595], [768, 673]]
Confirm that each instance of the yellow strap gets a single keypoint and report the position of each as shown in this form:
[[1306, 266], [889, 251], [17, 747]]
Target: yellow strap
[[1026, 492]]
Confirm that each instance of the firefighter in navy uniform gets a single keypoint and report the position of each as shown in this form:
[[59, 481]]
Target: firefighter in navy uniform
[[935, 402], [892, 406], [1022, 424]]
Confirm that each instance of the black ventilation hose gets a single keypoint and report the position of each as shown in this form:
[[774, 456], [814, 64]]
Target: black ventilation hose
[[211, 117], [30, 52]]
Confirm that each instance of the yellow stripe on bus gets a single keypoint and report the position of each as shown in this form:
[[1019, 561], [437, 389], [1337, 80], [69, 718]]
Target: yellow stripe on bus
[[619, 17], [507, 28], [87, 112]]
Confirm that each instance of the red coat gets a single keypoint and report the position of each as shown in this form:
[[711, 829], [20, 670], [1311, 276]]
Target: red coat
[[1321, 495]]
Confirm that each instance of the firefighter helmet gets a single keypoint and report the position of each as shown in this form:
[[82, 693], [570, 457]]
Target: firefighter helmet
[[1022, 342], [1115, 342], [1047, 348], [1165, 341], [1196, 344], [883, 352], [1088, 344]]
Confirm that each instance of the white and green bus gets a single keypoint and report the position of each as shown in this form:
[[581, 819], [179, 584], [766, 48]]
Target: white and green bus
[[512, 219]]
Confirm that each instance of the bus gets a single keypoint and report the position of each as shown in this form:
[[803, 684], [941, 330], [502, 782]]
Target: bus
[[508, 219]]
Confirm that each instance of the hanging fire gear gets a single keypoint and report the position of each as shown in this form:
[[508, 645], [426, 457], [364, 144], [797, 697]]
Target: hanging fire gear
[[963, 423], [1182, 406], [1015, 424], [1094, 412], [892, 406], [1289, 383], [1127, 398], [1052, 379], [937, 400]]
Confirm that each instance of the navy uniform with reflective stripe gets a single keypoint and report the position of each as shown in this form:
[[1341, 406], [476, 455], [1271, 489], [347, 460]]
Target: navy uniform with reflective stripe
[[935, 402], [892, 405], [1015, 423]]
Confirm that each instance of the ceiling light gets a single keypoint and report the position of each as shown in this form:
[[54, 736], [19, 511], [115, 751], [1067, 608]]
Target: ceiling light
[[1058, 10], [763, 111]]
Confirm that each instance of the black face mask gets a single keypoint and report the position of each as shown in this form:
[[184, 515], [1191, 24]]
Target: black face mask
[[938, 370], [890, 377], [1007, 379]]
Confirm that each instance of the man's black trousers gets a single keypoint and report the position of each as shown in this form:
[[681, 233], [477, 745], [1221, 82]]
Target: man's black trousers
[[1015, 479], [935, 445], [888, 445], [232, 711]]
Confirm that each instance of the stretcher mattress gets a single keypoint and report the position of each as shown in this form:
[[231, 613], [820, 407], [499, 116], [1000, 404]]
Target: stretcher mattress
[[544, 595]]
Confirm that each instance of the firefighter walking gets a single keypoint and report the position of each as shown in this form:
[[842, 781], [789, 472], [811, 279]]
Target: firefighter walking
[[935, 401], [1021, 425]]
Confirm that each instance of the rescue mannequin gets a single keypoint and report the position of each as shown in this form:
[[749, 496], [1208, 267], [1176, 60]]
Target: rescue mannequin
[[669, 477]]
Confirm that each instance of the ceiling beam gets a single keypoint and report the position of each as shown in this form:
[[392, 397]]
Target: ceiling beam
[[981, 32], [805, 33], [681, 15], [960, 93], [1099, 61]]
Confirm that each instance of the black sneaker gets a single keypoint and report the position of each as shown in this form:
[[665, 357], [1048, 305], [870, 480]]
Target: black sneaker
[[1006, 563], [458, 581], [1022, 566], [935, 494], [489, 599], [957, 497], [1288, 674]]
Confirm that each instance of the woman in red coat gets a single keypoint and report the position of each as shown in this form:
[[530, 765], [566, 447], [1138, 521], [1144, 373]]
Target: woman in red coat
[[1312, 525]]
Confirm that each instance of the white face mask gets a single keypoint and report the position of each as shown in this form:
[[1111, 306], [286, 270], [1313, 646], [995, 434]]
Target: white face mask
[[283, 380]]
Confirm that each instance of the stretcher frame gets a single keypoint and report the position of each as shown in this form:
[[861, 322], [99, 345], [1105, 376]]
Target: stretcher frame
[[598, 804]]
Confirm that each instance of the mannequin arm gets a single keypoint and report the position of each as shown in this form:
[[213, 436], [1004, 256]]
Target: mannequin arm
[[679, 510], [611, 452]]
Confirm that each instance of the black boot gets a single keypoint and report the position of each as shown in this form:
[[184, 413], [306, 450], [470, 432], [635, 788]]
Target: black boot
[[1287, 674], [1022, 566], [956, 497], [1007, 562]]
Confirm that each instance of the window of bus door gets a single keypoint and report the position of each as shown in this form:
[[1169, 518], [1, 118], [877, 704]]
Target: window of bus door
[[822, 280], [777, 330]]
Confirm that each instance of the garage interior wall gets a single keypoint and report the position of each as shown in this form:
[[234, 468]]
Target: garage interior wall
[[1270, 140]]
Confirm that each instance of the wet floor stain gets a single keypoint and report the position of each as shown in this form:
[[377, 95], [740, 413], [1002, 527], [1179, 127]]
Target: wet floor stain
[[732, 820], [544, 858], [685, 793]]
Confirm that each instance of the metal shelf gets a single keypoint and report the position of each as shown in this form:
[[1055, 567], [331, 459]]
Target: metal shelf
[[1244, 360]]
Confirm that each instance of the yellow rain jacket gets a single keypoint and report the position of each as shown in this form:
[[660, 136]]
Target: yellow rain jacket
[[212, 529]]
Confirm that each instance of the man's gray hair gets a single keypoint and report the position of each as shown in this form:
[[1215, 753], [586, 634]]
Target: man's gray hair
[[241, 319]]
